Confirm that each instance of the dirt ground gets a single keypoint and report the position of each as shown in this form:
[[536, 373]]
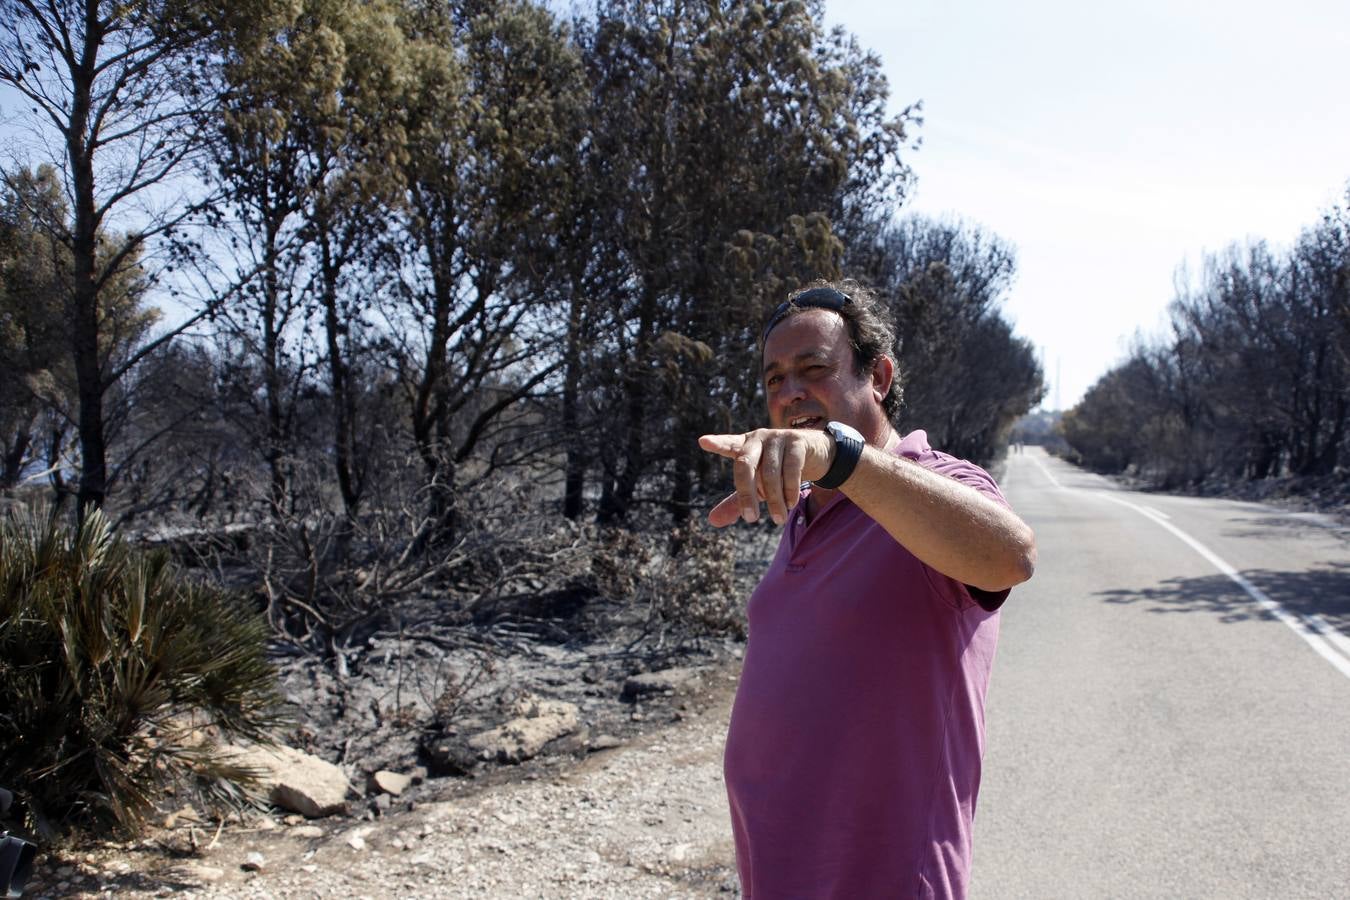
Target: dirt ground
[[646, 818], [629, 803]]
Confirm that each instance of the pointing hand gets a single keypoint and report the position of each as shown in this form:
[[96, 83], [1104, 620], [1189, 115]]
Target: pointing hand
[[770, 465]]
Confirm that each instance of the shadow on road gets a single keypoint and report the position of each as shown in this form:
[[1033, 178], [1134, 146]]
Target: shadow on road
[[1324, 590], [1287, 526]]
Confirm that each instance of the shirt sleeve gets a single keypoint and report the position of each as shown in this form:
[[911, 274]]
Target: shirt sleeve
[[967, 473], [970, 474]]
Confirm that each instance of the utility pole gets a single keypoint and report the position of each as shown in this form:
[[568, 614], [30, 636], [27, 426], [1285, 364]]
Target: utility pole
[[1058, 362], [1040, 353]]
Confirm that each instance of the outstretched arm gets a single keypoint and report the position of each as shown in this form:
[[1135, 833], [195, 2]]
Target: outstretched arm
[[948, 525]]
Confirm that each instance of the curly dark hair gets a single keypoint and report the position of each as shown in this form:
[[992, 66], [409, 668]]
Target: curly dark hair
[[871, 330]]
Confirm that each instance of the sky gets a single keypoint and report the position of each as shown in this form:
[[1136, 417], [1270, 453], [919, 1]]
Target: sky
[[1113, 143]]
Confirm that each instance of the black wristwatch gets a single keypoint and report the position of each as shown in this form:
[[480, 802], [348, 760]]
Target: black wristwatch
[[848, 448]]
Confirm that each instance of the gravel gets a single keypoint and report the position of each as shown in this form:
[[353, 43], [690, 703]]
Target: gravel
[[647, 818]]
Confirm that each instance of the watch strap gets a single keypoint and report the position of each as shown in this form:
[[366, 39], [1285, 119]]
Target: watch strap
[[847, 451]]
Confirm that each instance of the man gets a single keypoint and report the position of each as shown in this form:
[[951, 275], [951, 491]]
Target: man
[[853, 758]]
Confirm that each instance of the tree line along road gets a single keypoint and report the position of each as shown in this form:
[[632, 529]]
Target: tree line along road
[[1169, 717], [1170, 709]]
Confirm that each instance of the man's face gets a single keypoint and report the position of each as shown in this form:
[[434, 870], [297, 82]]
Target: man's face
[[810, 377]]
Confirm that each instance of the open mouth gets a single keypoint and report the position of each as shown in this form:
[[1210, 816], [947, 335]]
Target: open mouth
[[806, 422]]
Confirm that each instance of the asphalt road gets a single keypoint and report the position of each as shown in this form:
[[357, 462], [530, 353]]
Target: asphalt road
[[1170, 707]]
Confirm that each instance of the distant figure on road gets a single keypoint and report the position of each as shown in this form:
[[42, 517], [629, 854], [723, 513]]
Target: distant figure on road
[[853, 758]]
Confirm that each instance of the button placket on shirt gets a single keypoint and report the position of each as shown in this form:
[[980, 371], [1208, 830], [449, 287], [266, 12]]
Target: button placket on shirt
[[799, 529]]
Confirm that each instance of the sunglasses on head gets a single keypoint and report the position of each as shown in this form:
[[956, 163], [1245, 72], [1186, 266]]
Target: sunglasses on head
[[816, 298]]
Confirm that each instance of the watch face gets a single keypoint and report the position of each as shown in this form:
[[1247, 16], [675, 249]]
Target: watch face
[[840, 431]]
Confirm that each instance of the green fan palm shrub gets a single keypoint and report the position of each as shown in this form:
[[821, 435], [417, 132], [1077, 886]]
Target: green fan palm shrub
[[118, 677]]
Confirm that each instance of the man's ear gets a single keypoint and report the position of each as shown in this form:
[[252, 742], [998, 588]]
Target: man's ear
[[883, 372]]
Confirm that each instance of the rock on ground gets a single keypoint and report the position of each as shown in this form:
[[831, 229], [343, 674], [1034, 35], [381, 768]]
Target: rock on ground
[[647, 819], [296, 781], [666, 681], [524, 736], [393, 783]]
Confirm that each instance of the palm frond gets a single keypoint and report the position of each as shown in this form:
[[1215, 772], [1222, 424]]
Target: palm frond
[[103, 652]]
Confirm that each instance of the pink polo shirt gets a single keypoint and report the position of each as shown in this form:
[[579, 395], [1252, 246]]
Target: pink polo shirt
[[853, 759]]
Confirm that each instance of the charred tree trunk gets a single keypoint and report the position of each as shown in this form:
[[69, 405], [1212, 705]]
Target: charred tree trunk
[[616, 502], [84, 300], [14, 457], [339, 375], [276, 444], [574, 477]]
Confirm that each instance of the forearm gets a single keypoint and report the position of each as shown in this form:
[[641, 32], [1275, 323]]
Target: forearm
[[948, 525]]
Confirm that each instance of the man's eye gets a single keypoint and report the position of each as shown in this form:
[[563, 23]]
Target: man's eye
[[773, 380]]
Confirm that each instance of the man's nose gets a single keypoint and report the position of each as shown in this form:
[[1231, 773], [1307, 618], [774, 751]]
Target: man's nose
[[793, 389]]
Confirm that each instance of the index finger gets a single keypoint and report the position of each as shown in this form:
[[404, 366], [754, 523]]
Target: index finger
[[728, 445]]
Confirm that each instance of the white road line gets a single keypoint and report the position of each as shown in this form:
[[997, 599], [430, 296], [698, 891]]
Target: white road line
[[1052, 478], [1157, 512], [1315, 630], [1328, 631]]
